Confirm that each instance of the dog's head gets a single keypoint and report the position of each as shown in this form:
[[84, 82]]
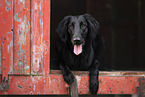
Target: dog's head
[[78, 28]]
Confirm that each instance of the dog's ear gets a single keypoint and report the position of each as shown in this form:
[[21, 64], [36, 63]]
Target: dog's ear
[[93, 25], [62, 28]]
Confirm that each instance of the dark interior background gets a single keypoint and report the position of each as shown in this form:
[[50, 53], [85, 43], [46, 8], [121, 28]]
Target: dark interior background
[[122, 24]]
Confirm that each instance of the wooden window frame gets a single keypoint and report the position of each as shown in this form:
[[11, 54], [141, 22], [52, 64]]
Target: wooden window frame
[[40, 79]]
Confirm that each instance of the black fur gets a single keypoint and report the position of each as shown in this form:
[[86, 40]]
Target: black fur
[[82, 29]]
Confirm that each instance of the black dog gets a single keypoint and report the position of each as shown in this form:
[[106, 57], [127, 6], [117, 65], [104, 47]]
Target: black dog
[[81, 48]]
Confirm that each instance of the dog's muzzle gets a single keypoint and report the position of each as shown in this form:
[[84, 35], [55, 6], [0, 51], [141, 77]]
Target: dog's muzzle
[[77, 45]]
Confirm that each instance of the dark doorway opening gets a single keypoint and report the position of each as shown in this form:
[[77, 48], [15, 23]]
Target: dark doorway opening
[[121, 23]]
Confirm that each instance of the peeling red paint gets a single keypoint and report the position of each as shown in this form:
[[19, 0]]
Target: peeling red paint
[[6, 37], [46, 37], [8, 5], [54, 84], [37, 37], [21, 37], [25, 55]]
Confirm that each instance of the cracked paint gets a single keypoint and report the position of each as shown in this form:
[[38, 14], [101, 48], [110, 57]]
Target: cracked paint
[[36, 6], [8, 5], [22, 37], [23, 30], [6, 37], [23, 2], [17, 18], [16, 47], [11, 51], [0, 60], [20, 86], [37, 37]]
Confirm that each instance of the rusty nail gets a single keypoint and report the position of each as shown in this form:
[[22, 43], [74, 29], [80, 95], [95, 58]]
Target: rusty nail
[[4, 68], [5, 38]]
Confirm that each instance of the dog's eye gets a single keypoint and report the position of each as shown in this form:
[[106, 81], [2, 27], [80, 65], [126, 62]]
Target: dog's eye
[[83, 26], [71, 27]]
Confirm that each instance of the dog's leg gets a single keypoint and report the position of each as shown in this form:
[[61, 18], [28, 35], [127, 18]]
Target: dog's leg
[[67, 74], [94, 83]]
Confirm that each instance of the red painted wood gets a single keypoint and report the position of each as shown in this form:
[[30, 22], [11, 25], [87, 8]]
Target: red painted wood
[[0, 55], [37, 37], [34, 43], [21, 37], [46, 36], [54, 84], [6, 36]]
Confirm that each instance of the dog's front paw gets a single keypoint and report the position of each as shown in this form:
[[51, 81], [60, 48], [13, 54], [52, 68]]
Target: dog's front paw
[[69, 78], [93, 87]]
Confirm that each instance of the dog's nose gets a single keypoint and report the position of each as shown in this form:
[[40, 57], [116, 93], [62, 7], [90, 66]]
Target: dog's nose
[[77, 40]]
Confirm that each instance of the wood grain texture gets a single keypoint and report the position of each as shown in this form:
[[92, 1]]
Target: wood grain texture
[[21, 37], [6, 37], [37, 37]]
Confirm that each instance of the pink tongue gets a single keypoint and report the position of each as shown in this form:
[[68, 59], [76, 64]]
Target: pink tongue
[[77, 49]]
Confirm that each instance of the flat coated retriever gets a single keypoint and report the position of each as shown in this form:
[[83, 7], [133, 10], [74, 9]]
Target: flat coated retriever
[[81, 47]]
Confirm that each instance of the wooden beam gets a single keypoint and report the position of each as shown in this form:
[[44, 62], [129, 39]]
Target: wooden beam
[[120, 82]]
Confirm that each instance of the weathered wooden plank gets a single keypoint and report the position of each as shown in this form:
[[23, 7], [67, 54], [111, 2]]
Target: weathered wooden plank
[[6, 37], [21, 36], [105, 73], [46, 36], [5, 58], [37, 37], [54, 84], [74, 89], [141, 92], [0, 56]]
